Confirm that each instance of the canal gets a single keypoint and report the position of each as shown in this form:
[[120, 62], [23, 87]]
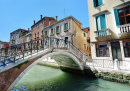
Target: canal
[[42, 78]]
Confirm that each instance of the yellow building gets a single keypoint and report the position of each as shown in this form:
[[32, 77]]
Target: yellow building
[[69, 29], [110, 29]]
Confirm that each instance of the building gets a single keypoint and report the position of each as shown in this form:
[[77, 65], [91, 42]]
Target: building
[[86, 34], [36, 28], [110, 29], [4, 44], [15, 35], [68, 29]]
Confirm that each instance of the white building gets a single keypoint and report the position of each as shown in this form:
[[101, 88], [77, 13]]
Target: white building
[[110, 29]]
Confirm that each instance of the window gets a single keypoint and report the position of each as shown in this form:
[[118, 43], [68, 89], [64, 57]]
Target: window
[[38, 24], [57, 30], [101, 22], [42, 22], [127, 49], [42, 32], [124, 15], [102, 50], [38, 34], [87, 47], [84, 34], [52, 31], [84, 46], [35, 35], [46, 34], [97, 3], [66, 26]]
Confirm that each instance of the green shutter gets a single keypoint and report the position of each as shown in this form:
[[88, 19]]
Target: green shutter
[[116, 17], [98, 23], [100, 2], [64, 27], [103, 21], [68, 25], [94, 2]]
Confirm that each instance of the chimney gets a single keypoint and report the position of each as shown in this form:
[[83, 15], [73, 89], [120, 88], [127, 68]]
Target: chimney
[[28, 29], [34, 22], [41, 16], [56, 18]]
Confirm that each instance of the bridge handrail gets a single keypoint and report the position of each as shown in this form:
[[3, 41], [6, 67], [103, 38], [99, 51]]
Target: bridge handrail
[[20, 51]]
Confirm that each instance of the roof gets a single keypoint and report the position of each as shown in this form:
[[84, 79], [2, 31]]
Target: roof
[[63, 20], [85, 29], [41, 20], [18, 30]]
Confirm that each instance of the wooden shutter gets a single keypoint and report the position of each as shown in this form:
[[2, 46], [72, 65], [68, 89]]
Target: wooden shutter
[[116, 17], [94, 3], [68, 25]]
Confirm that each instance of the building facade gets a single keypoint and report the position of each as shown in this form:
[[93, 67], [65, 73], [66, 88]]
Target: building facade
[[110, 29], [86, 34], [36, 28], [15, 35], [4, 44], [68, 29]]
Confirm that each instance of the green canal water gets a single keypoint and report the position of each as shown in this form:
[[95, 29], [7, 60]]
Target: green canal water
[[41, 78]]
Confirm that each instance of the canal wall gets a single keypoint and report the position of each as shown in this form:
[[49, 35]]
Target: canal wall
[[113, 76]]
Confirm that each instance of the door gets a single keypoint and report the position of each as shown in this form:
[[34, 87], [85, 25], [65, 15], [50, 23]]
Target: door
[[66, 40], [116, 51]]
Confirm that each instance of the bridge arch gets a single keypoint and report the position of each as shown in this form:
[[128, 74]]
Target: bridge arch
[[60, 56]]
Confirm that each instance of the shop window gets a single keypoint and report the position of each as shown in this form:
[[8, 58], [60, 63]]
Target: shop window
[[102, 50], [127, 49]]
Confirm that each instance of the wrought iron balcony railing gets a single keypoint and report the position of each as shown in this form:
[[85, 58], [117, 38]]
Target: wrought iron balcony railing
[[124, 29], [102, 33]]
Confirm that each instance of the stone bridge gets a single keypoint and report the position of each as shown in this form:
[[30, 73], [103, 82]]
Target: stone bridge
[[16, 60]]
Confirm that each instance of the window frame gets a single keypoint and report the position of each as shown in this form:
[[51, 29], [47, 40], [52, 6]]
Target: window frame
[[102, 50], [52, 31], [95, 4], [126, 47], [123, 15], [57, 29], [100, 20], [65, 26]]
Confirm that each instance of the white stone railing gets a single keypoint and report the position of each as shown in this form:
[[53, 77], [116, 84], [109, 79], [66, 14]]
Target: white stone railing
[[124, 29], [102, 33], [110, 64]]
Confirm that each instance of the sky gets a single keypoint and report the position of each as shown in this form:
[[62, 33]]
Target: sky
[[17, 14]]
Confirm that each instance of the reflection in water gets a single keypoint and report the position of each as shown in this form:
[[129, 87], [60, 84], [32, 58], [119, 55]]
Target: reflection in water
[[43, 78]]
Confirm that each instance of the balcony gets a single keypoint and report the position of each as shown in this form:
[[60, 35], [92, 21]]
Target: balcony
[[102, 33], [124, 29]]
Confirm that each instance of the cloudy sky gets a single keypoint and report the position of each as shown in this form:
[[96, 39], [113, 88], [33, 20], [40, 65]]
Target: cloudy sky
[[21, 13]]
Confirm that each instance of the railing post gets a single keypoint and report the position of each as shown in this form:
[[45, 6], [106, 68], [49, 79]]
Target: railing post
[[23, 51], [49, 42], [116, 66], [84, 58]]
